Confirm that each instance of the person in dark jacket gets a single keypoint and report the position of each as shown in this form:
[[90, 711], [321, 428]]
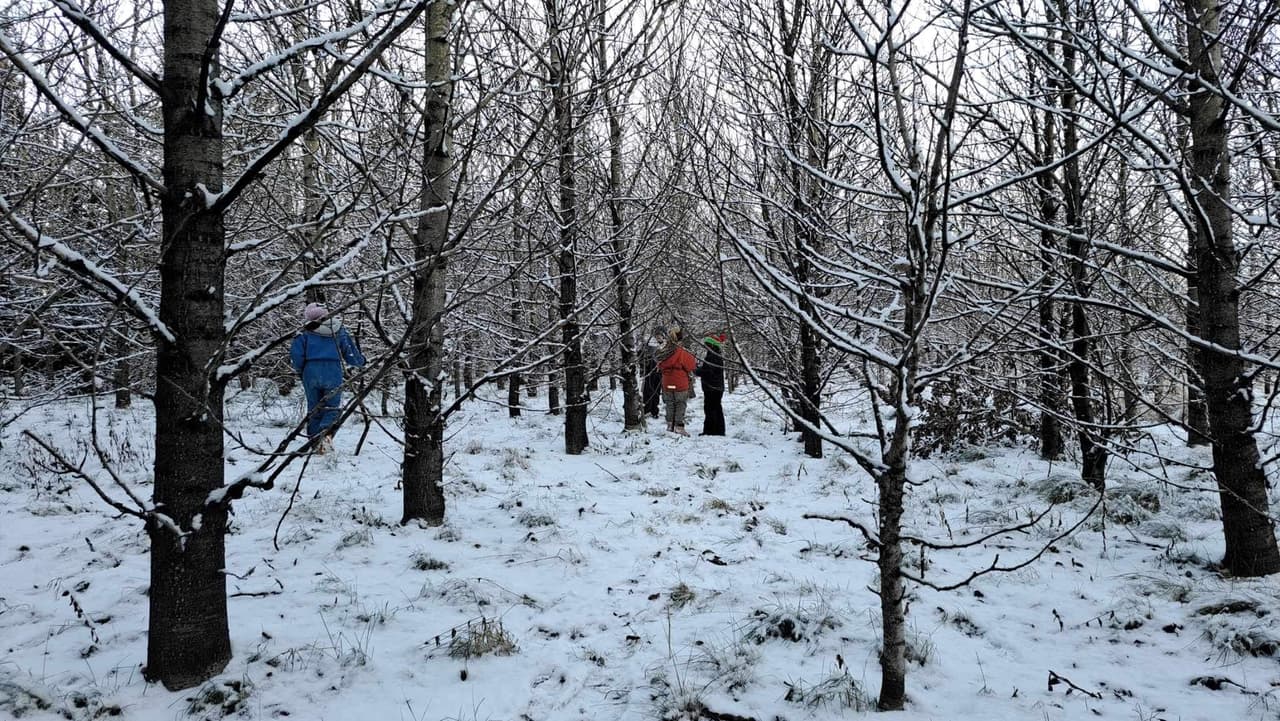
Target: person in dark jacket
[[318, 354], [711, 371], [652, 389]]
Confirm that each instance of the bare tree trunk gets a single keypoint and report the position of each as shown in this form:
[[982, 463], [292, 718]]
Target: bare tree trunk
[[893, 649], [468, 365], [1049, 358], [620, 264], [1246, 522], [188, 639], [1196, 415], [575, 382], [423, 466], [312, 200], [121, 367], [515, 379], [1093, 455], [811, 392], [553, 392]]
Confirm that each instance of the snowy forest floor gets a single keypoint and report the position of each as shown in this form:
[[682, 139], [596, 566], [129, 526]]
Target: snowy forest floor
[[653, 577]]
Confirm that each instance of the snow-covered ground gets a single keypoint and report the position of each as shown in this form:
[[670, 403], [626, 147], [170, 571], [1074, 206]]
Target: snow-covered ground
[[653, 577]]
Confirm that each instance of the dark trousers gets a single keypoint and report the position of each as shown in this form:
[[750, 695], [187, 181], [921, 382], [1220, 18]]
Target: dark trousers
[[712, 413], [652, 393]]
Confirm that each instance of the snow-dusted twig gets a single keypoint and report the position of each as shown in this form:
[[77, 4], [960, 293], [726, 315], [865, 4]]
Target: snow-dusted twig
[[1055, 679], [75, 119], [72, 11], [90, 273], [857, 525], [77, 469]]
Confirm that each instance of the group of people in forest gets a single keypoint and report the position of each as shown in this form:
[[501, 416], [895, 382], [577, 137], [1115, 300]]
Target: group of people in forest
[[324, 348], [669, 370]]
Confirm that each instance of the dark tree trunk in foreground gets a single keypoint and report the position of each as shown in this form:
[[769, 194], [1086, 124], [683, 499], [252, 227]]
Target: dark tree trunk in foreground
[[575, 376], [1093, 454], [1049, 360], [188, 639], [1246, 522], [423, 467]]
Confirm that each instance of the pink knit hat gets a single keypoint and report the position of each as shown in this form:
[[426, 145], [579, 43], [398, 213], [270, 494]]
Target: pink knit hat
[[314, 312]]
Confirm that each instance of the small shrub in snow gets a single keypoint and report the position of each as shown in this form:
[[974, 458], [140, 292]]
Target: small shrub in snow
[[515, 458], [20, 700], [703, 470], [529, 519], [1233, 606], [956, 418], [216, 700], [731, 666], [1128, 505], [837, 691], [365, 517], [681, 596], [356, 537], [423, 561], [485, 638], [797, 624], [1242, 637], [920, 648], [1176, 589], [1062, 490], [1164, 529], [962, 623], [719, 506]]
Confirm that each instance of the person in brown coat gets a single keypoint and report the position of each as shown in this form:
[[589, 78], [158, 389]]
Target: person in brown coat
[[677, 365]]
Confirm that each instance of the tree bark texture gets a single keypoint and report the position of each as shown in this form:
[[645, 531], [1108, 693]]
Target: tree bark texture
[[1049, 359], [891, 486], [575, 377], [1196, 416], [423, 467], [188, 639], [1246, 522], [620, 263], [1093, 454]]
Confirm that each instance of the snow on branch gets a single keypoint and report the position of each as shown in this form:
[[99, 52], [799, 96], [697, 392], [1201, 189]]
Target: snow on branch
[[306, 119], [229, 88], [75, 119], [73, 12], [90, 273], [270, 303], [151, 516]]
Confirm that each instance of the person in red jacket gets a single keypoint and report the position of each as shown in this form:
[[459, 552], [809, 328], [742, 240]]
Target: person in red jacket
[[677, 365]]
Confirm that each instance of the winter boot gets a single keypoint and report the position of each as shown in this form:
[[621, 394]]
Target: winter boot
[[681, 431]]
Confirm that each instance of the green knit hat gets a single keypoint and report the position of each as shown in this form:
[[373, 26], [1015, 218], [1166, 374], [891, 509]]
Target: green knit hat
[[715, 340]]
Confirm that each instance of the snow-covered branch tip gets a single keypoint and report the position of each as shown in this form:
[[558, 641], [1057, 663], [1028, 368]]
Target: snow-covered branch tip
[[89, 273], [221, 498]]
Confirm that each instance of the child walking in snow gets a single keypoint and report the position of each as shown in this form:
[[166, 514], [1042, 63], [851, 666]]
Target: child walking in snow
[[317, 354], [677, 366]]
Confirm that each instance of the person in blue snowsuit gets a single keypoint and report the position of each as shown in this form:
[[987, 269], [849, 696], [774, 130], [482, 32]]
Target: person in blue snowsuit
[[318, 354]]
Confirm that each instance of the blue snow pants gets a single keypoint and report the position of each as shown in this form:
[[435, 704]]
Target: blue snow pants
[[321, 381]]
